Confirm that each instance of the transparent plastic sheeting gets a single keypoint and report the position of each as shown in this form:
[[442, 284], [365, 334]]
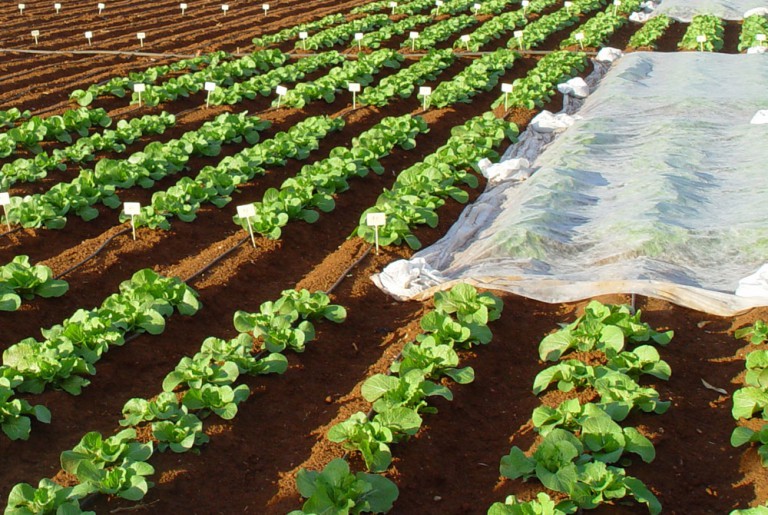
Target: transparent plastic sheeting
[[660, 189], [685, 10]]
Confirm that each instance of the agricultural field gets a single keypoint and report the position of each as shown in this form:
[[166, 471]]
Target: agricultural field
[[210, 145]]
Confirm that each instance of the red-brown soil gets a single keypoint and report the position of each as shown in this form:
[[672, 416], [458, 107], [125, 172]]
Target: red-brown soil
[[451, 466]]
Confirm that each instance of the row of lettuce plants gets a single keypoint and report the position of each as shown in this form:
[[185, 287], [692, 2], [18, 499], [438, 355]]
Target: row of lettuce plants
[[293, 32], [215, 184], [598, 29], [398, 400], [539, 30], [651, 31], [707, 25], [21, 280], [482, 75], [374, 39], [126, 132], [439, 31], [199, 386], [312, 189], [340, 34], [157, 161], [582, 449], [750, 28], [68, 351]]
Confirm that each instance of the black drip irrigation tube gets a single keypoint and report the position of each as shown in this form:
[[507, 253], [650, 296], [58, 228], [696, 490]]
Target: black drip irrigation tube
[[7, 233], [92, 255]]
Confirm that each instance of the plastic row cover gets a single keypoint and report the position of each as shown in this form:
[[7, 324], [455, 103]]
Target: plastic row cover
[[659, 188], [685, 10]]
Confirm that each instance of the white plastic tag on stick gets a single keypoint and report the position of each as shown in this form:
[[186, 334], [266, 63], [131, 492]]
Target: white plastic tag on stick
[[132, 209], [246, 211], [35, 34], [139, 88], [183, 8], [101, 7], [425, 91], [506, 88], [465, 39], [376, 220], [281, 92], [5, 200], [89, 36], [224, 8], [476, 7], [393, 5], [57, 6], [140, 36], [21, 8], [265, 7], [354, 87], [209, 87]]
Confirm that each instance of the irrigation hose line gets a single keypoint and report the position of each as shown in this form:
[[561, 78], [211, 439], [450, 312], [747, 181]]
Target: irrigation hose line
[[93, 255], [16, 229], [216, 260]]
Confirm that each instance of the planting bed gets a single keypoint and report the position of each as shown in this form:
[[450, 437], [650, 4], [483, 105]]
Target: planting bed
[[250, 464]]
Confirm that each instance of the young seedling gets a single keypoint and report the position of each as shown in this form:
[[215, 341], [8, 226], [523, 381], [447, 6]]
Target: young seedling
[[139, 88], [57, 6], [376, 220], [354, 87], [281, 92], [183, 8], [506, 88], [132, 209], [393, 5], [246, 212], [303, 35], [359, 38], [101, 7], [701, 39], [425, 92], [35, 34], [5, 200], [21, 8], [224, 8], [465, 39], [414, 36], [209, 87], [266, 9], [519, 36], [89, 36], [580, 38]]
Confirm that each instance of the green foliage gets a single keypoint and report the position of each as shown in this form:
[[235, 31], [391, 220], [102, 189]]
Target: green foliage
[[706, 25], [650, 32], [21, 280], [179, 435], [47, 498], [757, 333]]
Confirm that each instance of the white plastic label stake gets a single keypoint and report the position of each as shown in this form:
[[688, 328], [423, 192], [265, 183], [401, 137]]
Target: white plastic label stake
[[140, 36], [425, 91], [701, 39], [438, 4], [139, 88], [616, 4], [208, 87], [132, 209], [21, 8], [246, 211], [303, 37], [506, 88], [760, 37], [568, 6], [580, 38], [224, 8], [101, 7], [89, 36], [35, 34], [519, 36], [354, 87], [265, 7], [5, 199], [57, 6], [183, 8], [476, 7], [281, 92], [376, 220], [414, 36], [359, 38], [465, 39], [525, 4], [393, 5]]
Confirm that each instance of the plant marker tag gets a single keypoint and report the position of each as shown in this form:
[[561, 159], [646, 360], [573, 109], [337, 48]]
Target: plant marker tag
[[139, 88], [760, 38], [266, 8], [425, 91], [209, 87], [245, 212], [465, 39], [132, 209], [183, 8], [101, 7], [519, 36], [476, 7], [303, 37], [89, 36], [438, 4], [57, 6], [525, 4], [616, 4], [506, 88], [359, 38], [35, 34], [140, 36], [701, 39], [414, 36], [5, 199], [568, 5], [281, 92], [224, 8], [354, 87], [393, 5], [21, 8], [376, 220], [580, 38]]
